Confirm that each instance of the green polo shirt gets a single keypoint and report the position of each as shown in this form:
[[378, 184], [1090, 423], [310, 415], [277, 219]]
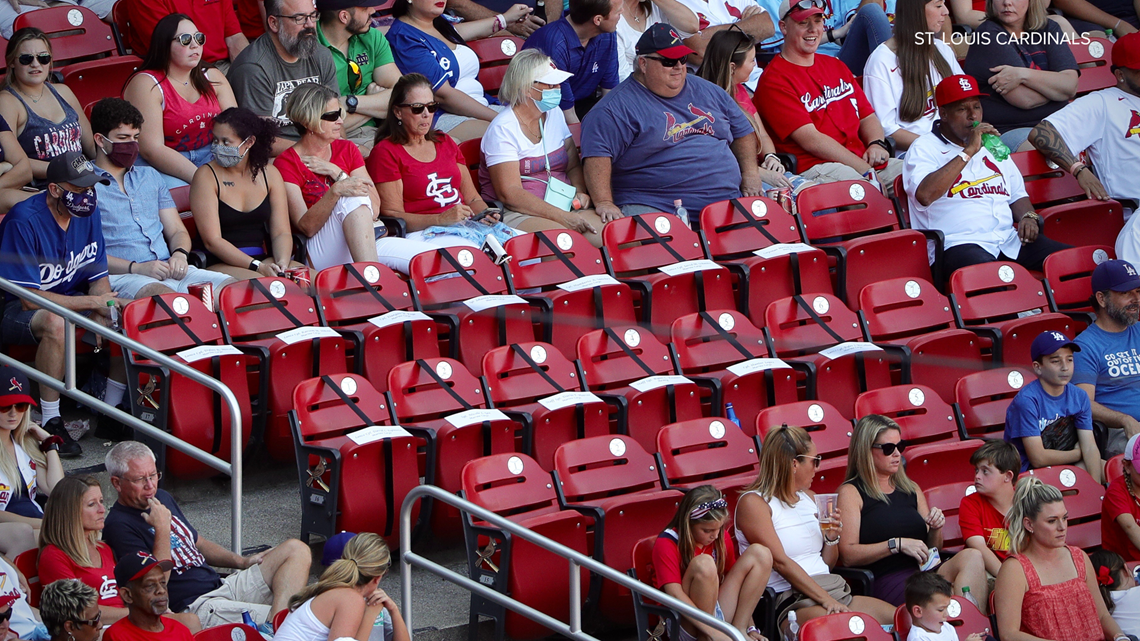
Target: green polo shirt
[[368, 50]]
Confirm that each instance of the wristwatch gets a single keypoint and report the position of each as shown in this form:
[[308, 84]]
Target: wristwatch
[[350, 104], [254, 265], [51, 443], [341, 176], [893, 546], [1032, 215]]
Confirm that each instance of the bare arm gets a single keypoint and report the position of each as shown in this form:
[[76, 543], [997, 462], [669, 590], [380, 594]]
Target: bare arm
[[84, 125], [1109, 417], [392, 204], [933, 534], [1054, 85], [460, 104], [744, 148], [1107, 623], [485, 27], [757, 24], [1039, 456], [145, 95], [1087, 11], [754, 519], [373, 195], [470, 10], [1009, 594], [679, 15], [235, 44], [219, 556], [204, 204], [823, 146], [222, 88], [964, 13], [1127, 523], [21, 172]]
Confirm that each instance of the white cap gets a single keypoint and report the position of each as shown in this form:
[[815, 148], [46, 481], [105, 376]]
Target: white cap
[[1131, 453], [553, 76]]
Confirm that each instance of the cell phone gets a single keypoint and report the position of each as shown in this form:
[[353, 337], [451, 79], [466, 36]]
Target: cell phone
[[483, 214]]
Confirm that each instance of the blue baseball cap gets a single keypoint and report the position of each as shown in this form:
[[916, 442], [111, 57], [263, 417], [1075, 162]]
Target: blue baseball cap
[[1049, 342], [334, 547], [1117, 275]]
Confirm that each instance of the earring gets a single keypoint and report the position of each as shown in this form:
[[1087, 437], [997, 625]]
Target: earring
[[399, 122]]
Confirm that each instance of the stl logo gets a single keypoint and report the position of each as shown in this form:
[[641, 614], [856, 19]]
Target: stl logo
[[964, 83]]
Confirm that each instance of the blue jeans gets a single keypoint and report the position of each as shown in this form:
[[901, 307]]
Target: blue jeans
[[869, 29], [199, 157], [1015, 138]]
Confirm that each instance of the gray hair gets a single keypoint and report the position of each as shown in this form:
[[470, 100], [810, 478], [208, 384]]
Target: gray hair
[[65, 600], [522, 72], [119, 458]]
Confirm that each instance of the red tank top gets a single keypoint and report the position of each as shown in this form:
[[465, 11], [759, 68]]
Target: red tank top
[[186, 126], [1060, 611]]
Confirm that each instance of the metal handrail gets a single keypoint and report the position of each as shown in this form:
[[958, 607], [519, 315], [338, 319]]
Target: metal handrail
[[576, 559], [67, 388]]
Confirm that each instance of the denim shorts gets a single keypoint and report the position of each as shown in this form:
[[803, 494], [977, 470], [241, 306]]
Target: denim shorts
[[16, 324]]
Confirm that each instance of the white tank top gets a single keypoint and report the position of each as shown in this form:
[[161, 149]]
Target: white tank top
[[302, 625], [798, 529]]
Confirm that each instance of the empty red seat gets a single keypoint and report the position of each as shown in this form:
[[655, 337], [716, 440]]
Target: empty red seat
[[1068, 274], [1113, 468], [923, 416], [494, 56], [1083, 498], [707, 451], [983, 397], [226, 632], [1066, 214], [76, 32], [937, 464], [845, 626], [829, 430], [94, 80], [948, 498], [1093, 56]]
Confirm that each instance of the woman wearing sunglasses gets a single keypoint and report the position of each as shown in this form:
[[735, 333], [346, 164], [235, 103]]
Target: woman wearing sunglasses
[[29, 461], [179, 94], [778, 510], [47, 118], [890, 528], [70, 611]]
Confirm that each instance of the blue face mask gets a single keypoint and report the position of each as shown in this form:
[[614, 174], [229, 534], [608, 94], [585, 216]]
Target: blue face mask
[[80, 204], [551, 99]]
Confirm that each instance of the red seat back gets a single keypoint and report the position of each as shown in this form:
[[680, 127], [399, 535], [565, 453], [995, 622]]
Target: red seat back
[[75, 32], [345, 298], [426, 268], [1083, 497], [1094, 62], [603, 466], [537, 265], [607, 364], [703, 345], [901, 199], [794, 331], [321, 413], [247, 313], [845, 626], [145, 320], [904, 307], [729, 228], [1045, 182], [705, 448], [948, 498], [632, 248], [472, 156], [494, 56], [417, 396], [512, 380], [1113, 468], [936, 464], [859, 210], [94, 80], [227, 632], [278, 618], [984, 397], [990, 292], [1069, 273], [921, 413], [27, 562], [509, 485]]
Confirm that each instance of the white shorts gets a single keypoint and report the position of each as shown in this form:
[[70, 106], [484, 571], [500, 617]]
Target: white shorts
[[328, 247], [128, 285], [243, 590]]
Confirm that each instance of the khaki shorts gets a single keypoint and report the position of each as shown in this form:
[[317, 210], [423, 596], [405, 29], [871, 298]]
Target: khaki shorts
[[830, 172], [241, 591]]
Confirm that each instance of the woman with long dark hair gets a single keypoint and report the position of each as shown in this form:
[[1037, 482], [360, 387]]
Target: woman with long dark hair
[[901, 73], [639, 15], [178, 95]]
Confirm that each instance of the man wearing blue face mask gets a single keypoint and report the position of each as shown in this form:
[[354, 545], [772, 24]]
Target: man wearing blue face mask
[[52, 243]]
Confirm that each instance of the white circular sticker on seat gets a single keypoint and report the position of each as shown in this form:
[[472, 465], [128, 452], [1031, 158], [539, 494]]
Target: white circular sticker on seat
[[815, 412], [1005, 273], [820, 305], [508, 47], [515, 465], [277, 288], [348, 384], [75, 17], [564, 241], [726, 322], [371, 274], [912, 289], [917, 398], [632, 338], [970, 489], [954, 609], [855, 625], [538, 354], [857, 192], [662, 224], [1067, 478], [236, 632], [443, 369], [759, 209], [465, 258], [617, 447], [181, 306], [1096, 49], [1015, 380], [716, 429], [1099, 256]]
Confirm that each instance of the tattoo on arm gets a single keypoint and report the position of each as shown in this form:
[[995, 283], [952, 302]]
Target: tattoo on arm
[[1048, 141]]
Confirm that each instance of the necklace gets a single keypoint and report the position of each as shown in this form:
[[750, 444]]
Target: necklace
[[35, 101]]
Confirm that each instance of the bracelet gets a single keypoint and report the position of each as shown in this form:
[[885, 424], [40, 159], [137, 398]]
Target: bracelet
[[830, 542], [964, 156], [1034, 217], [131, 267], [1114, 27], [1082, 168], [184, 252], [882, 143], [767, 156], [500, 23], [1075, 166]]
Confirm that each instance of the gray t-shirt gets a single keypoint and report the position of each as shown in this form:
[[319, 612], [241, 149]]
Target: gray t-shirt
[[262, 81]]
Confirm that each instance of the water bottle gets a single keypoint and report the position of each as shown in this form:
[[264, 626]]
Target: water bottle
[[970, 597], [994, 144], [247, 619], [114, 315], [793, 626], [682, 213], [731, 414]]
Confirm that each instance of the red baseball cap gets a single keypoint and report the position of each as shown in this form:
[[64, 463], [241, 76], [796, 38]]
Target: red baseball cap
[[14, 387], [955, 88], [1126, 51], [801, 10]]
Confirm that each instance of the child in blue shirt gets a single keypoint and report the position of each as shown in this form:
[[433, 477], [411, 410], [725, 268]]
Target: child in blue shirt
[[1050, 399]]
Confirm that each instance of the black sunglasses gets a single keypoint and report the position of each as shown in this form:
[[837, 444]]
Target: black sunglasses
[[332, 116], [889, 448], [20, 407], [669, 63], [418, 107], [805, 4], [26, 58], [185, 38], [93, 623]]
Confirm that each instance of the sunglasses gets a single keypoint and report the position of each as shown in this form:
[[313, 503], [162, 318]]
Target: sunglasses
[[418, 107], [20, 407], [4, 616], [185, 38], [26, 58], [93, 623], [332, 116], [889, 448], [816, 460], [354, 70], [669, 63], [805, 4]]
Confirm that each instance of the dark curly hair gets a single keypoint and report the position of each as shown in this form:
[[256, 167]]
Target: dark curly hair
[[158, 55], [110, 113], [245, 123]]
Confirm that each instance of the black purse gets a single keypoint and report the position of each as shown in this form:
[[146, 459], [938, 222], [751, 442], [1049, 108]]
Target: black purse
[[1061, 434]]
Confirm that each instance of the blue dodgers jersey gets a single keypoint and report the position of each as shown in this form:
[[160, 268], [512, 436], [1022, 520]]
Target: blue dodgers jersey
[[36, 253]]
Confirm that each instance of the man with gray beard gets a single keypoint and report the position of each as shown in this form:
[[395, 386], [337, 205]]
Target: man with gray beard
[[1108, 366], [286, 56]]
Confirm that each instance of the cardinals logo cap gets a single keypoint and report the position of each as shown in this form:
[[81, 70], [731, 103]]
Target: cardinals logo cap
[[14, 387], [662, 40], [955, 88]]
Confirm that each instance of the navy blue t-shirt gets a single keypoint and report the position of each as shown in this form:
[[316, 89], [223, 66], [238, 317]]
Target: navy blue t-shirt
[[1033, 409], [593, 66], [39, 254], [127, 532]]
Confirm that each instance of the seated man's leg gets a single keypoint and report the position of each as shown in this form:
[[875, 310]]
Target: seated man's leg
[[1033, 255], [887, 175], [48, 331], [132, 286], [960, 256], [830, 172], [285, 569]]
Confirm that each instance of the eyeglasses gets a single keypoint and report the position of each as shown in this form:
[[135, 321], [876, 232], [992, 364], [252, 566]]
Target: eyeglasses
[[669, 63], [301, 18], [816, 460], [43, 58], [805, 4], [889, 448], [332, 116], [184, 39], [20, 407], [354, 70], [93, 623], [141, 480], [418, 107]]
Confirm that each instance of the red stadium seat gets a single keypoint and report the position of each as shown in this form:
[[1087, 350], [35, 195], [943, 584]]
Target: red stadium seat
[[829, 430], [862, 232], [353, 476], [181, 196], [121, 23], [278, 618], [1113, 468], [846, 626], [371, 299], [537, 379], [1069, 275], [923, 416], [1094, 63], [494, 56], [707, 451], [227, 632], [650, 616], [941, 463], [75, 32], [27, 562], [516, 487], [1083, 498], [662, 260], [454, 282], [982, 399], [910, 312], [577, 293], [472, 157], [948, 498], [274, 314], [174, 324], [1007, 307], [629, 364], [1067, 215], [966, 618], [614, 478], [97, 79]]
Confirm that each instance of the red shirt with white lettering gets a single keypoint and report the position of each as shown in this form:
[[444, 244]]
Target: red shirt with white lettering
[[977, 517], [825, 94], [429, 187], [54, 564]]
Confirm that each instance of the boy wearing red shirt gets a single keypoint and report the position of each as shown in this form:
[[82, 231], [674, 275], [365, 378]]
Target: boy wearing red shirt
[[1120, 510], [981, 514]]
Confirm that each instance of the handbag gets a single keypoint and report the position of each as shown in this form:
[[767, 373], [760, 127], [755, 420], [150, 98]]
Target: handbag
[[558, 193], [1061, 434]]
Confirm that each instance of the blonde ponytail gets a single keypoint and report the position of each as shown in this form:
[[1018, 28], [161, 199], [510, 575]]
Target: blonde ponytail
[[365, 557], [1028, 500]]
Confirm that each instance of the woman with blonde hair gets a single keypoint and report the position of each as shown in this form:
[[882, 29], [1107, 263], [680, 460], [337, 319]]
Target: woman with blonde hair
[[778, 510], [890, 528], [1047, 589], [346, 601]]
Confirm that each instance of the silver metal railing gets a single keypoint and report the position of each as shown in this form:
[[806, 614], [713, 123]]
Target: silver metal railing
[[573, 628], [67, 388]]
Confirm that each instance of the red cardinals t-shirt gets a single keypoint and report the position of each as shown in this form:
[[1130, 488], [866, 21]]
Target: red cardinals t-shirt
[[124, 630], [313, 187], [1118, 501], [977, 517], [429, 187], [54, 564], [825, 94]]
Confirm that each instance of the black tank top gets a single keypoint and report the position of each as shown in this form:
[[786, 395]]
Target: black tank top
[[880, 521], [244, 229]]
